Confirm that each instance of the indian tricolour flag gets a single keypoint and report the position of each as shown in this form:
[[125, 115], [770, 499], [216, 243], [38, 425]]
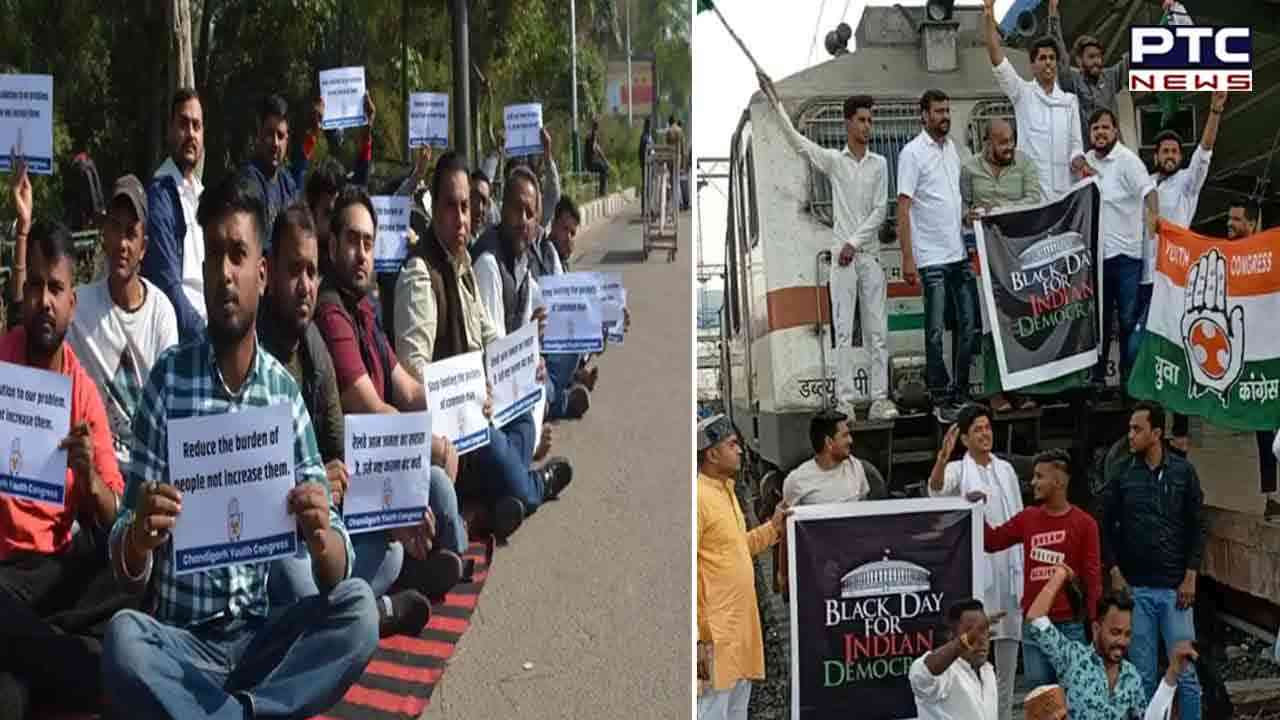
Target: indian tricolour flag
[[1212, 342]]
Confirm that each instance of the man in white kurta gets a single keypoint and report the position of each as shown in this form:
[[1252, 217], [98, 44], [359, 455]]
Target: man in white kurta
[[1048, 119], [859, 204], [985, 478]]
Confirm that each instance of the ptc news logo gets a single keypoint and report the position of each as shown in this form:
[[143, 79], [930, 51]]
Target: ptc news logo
[[1190, 58]]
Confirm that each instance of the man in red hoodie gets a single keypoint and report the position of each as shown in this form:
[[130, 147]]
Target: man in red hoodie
[[1053, 532]]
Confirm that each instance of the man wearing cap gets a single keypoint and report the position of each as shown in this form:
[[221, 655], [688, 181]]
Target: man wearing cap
[[122, 322], [728, 621]]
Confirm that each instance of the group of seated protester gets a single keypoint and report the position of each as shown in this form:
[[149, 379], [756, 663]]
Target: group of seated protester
[[248, 294]]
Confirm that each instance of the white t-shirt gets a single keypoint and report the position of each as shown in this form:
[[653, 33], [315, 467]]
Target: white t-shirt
[[1124, 183], [118, 348], [811, 485], [929, 174]]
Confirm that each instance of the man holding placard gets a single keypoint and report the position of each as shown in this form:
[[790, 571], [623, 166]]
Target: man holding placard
[[505, 269], [189, 454], [373, 381], [58, 468], [293, 339], [439, 315], [501, 257], [569, 380]]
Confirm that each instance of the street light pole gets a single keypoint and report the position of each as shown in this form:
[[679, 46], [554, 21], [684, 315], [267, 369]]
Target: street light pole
[[630, 84], [461, 100], [404, 74], [573, 53]]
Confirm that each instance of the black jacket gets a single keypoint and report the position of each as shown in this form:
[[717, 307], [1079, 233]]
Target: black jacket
[[1154, 521], [317, 373]]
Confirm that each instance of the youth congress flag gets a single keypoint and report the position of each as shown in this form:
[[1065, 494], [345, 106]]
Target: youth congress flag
[[1211, 347]]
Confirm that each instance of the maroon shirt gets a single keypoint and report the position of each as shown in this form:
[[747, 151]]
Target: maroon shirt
[[345, 341], [1070, 539]]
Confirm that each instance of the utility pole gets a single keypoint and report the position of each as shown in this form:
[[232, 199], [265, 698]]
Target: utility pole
[[461, 100], [573, 53], [631, 90], [404, 75]]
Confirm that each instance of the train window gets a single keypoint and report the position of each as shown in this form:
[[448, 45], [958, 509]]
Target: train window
[[732, 303], [984, 111], [752, 209], [896, 123]]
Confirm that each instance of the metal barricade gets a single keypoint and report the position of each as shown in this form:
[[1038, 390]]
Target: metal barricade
[[662, 170]]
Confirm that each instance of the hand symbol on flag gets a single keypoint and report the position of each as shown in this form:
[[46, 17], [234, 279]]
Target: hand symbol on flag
[[1212, 335]]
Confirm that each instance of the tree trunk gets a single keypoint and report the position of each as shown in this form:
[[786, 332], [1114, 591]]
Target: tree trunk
[[181, 68], [206, 22], [181, 64]]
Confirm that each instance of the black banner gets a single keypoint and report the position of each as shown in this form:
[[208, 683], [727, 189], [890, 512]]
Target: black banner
[[1042, 272], [870, 595]]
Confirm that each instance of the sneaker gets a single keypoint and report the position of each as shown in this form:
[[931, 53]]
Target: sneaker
[[434, 576], [1272, 513], [578, 402], [506, 517], [556, 476], [946, 413], [883, 409], [404, 613]]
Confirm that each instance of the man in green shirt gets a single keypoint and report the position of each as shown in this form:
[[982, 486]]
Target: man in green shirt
[[1000, 177]]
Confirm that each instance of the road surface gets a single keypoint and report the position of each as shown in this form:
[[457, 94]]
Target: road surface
[[595, 589]]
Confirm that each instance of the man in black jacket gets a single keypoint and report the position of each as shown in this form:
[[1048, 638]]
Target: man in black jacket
[[1154, 533]]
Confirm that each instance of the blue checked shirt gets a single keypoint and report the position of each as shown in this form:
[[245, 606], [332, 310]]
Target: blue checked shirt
[[186, 382], [1083, 677]]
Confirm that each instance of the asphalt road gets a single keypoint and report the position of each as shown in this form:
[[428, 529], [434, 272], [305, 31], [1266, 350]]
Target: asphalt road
[[595, 589]]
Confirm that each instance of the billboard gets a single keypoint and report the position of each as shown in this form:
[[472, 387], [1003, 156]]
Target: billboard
[[615, 88]]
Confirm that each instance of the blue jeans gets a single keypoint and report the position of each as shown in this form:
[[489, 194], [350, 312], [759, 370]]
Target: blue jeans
[[1157, 620], [501, 468], [1121, 276], [451, 532], [296, 665], [560, 369], [951, 283], [1036, 668], [378, 559], [378, 562]]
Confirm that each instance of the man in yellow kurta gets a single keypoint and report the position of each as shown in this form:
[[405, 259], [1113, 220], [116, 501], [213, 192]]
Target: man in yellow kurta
[[728, 620]]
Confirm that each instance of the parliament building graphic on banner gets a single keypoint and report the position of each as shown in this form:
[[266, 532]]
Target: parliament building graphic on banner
[[884, 577]]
